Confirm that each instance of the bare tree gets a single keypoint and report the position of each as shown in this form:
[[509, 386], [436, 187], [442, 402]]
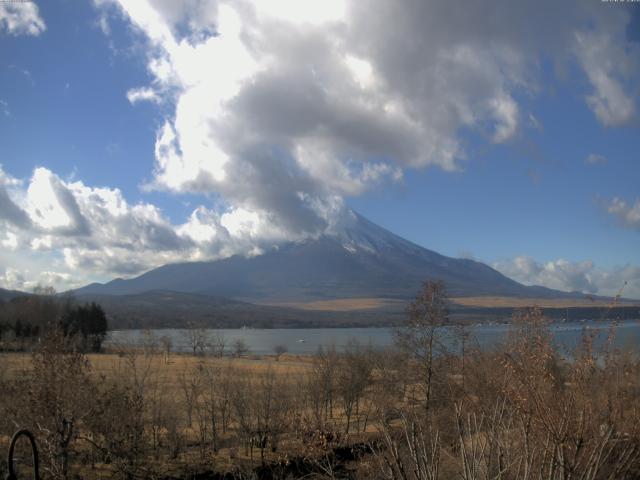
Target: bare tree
[[190, 387], [218, 344], [167, 344], [197, 339], [215, 399], [321, 385], [157, 407], [261, 405], [409, 452], [353, 377], [418, 336], [224, 393]]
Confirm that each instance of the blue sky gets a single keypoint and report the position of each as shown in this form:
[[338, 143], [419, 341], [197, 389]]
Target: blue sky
[[138, 133]]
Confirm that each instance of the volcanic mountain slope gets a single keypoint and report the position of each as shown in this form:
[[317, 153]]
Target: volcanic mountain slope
[[356, 259]]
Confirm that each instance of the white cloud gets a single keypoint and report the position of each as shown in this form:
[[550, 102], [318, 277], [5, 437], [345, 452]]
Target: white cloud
[[559, 274], [10, 212], [361, 71], [142, 94], [90, 231], [564, 275], [21, 18], [10, 241], [282, 105], [506, 115], [68, 233], [103, 25], [595, 159], [315, 13], [608, 61], [627, 213], [51, 206], [13, 279]]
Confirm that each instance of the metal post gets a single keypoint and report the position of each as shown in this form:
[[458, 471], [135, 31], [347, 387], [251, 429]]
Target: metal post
[[34, 451]]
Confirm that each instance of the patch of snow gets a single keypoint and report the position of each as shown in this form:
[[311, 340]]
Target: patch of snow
[[349, 247]]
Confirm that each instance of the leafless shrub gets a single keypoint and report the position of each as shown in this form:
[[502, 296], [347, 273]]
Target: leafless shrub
[[408, 451], [320, 387], [59, 397], [261, 405], [198, 339], [117, 431], [208, 404], [353, 377], [128, 405], [190, 386]]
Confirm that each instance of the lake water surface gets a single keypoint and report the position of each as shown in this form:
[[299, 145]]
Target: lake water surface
[[306, 341]]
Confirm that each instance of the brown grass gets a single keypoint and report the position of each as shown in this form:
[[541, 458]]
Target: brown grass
[[109, 364], [536, 302], [343, 304], [113, 366], [364, 303]]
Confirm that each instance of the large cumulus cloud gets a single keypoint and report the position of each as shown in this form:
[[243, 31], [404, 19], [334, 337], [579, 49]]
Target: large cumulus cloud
[[284, 107], [82, 232]]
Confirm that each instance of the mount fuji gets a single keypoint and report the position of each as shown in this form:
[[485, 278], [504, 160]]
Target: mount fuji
[[354, 259]]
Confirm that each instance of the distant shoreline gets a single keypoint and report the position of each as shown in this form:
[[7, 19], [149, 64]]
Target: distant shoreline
[[607, 321]]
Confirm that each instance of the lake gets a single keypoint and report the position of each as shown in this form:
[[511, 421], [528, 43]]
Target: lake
[[307, 341]]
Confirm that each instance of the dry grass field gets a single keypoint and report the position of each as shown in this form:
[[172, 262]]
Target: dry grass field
[[136, 413], [111, 364], [343, 304], [537, 302], [354, 304], [176, 408]]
